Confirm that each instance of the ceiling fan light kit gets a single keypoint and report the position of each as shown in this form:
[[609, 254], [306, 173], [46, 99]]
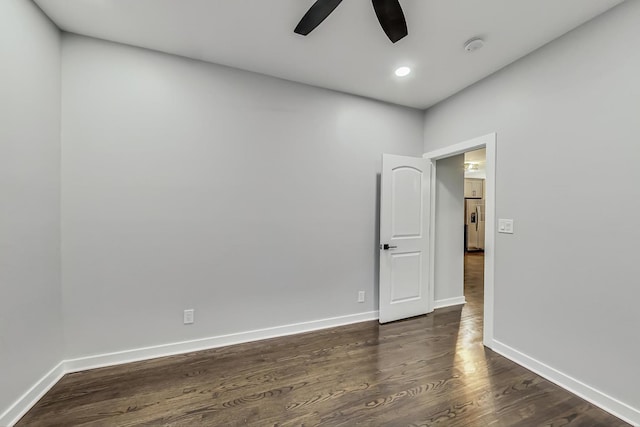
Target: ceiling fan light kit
[[389, 13]]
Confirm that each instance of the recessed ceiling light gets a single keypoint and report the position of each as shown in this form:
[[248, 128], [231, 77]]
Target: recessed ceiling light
[[403, 71]]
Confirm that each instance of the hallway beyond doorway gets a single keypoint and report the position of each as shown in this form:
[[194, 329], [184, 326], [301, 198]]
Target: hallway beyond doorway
[[474, 285], [473, 311]]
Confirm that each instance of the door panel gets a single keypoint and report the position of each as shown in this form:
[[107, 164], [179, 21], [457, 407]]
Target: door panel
[[404, 232], [406, 276], [406, 202]]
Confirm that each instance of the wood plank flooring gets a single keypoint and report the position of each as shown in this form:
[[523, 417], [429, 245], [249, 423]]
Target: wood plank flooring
[[426, 371]]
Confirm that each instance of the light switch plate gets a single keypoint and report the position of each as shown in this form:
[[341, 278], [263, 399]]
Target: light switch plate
[[505, 226]]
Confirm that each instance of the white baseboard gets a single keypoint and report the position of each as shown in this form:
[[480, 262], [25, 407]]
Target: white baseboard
[[442, 303], [31, 396], [171, 349], [35, 393], [613, 406]]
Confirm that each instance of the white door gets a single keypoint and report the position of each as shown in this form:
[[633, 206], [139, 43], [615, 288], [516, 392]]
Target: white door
[[404, 237]]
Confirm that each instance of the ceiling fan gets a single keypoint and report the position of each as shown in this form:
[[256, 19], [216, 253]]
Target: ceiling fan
[[389, 14]]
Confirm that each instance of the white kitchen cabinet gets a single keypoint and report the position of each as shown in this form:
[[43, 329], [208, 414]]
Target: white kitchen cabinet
[[473, 188]]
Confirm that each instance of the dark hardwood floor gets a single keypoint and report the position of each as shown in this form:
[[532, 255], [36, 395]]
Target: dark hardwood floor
[[426, 371]]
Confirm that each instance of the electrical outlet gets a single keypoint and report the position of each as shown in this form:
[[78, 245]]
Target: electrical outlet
[[188, 316], [360, 296]]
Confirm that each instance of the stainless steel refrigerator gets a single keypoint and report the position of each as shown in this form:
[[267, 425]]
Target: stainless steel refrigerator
[[474, 224]]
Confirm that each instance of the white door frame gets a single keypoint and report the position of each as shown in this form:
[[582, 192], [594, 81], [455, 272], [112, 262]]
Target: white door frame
[[489, 142]]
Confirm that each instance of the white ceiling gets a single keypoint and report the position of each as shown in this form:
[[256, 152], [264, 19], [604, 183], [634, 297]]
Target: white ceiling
[[349, 51], [476, 156]]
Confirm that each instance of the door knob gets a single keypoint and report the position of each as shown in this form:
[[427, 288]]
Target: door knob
[[386, 247]]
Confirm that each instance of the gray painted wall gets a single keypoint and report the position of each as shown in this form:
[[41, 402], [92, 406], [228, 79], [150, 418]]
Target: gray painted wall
[[449, 242], [566, 283], [252, 200], [30, 292]]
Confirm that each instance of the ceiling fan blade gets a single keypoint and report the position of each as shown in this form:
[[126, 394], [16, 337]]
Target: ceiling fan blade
[[391, 18], [315, 15]]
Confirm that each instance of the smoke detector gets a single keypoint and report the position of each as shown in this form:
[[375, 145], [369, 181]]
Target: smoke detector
[[473, 44]]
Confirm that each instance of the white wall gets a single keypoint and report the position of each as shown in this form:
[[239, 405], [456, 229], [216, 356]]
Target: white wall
[[30, 292], [449, 233], [190, 185], [566, 283]]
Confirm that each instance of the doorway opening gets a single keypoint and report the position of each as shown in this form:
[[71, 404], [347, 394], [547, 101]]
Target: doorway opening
[[474, 234], [463, 229]]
